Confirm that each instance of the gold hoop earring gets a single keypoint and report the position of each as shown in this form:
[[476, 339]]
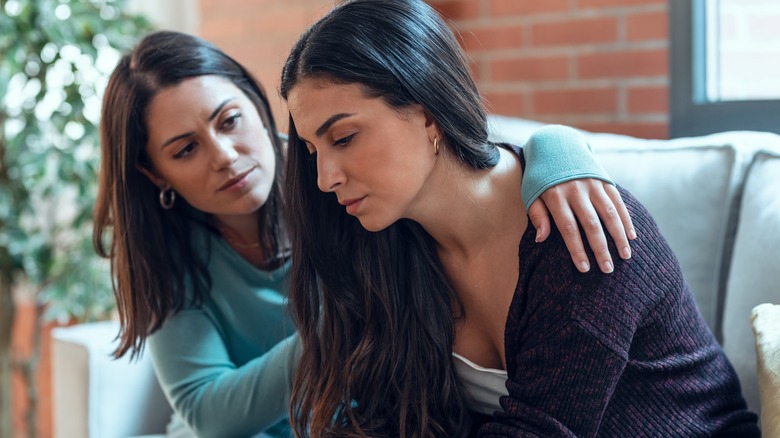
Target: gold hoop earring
[[167, 198], [435, 145]]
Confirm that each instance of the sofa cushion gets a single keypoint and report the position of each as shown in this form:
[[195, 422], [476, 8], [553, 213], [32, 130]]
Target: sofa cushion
[[755, 263]]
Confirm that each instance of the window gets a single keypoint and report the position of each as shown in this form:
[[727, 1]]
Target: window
[[725, 66]]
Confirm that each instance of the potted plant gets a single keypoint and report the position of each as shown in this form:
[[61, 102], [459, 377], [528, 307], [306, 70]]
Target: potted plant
[[55, 56]]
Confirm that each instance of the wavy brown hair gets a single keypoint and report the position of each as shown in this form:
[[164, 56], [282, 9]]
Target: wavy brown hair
[[153, 258], [375, 312]]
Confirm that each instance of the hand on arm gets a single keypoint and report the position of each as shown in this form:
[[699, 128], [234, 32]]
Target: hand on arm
[[564, 179]]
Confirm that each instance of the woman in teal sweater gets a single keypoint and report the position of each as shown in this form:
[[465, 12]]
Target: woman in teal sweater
[[189, 213]]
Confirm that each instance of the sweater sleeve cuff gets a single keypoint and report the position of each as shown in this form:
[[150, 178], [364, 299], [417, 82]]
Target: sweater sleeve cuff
[[555, 154]]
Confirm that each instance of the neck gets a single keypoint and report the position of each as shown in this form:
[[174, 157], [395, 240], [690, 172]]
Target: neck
[[239, 230], [485, 203]]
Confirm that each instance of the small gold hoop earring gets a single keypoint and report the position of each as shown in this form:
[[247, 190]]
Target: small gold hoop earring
[[167, 198], [435, 145]]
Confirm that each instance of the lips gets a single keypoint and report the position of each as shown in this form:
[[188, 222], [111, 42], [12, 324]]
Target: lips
[[352, 204], [236, 180]]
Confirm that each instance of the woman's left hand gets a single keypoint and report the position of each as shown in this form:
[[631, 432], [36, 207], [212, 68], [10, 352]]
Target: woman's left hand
[[587, 201]]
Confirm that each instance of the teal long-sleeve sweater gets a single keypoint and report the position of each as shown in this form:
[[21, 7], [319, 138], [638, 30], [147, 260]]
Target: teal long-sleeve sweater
[[226, 366]]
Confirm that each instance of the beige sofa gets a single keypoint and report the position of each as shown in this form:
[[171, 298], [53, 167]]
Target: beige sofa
[[716, 199]]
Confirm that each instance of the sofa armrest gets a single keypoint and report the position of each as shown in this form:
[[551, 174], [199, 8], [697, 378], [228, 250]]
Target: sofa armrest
[[97, 396]]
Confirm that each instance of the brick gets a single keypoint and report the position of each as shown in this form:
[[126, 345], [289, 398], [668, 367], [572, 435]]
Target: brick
[[634, 129], [492, 38], [624, 64], [643, 100], [276, 23], [647, 26], [530, 69], [505, 103], [503, 8], [583, 4], [457, 9], [22, 346], [476, 70], [575, 32], [223, 29], [253, 52], [575, 101]]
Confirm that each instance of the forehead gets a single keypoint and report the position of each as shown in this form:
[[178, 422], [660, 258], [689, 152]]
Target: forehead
[[311, 93], [193, 95], [312, 101]]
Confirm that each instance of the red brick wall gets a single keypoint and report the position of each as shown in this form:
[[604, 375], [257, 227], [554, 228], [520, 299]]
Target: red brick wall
[[21, 348], [259, 34], [600, 65], [596, 64]]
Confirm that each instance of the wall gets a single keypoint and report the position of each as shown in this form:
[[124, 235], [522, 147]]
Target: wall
[[599, 65], [260, 34]]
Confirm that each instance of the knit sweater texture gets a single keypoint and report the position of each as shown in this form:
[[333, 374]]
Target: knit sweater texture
[[625, 354]]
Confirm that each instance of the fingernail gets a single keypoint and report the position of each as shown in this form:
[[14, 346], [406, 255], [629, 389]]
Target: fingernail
[[632, 233], [625, 253], [607, 267], [584, 266], [538, 232]]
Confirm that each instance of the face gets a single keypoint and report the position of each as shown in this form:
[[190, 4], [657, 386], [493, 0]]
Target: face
[[208, 143], [373, 157]]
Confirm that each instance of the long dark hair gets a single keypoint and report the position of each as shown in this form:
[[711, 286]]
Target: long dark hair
[[152, 254], [375, 313]]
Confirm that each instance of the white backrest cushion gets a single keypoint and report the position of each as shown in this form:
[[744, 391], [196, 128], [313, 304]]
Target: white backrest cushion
[[754, 276]]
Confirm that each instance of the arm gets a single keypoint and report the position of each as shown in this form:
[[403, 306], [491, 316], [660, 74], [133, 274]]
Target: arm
[[563, 178], [568, 338], [212, 394]]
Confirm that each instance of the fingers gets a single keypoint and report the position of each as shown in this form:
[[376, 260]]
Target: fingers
[[559, 207], [589, 219], [588, 202], [540, 218], [625, 217], [608, 213]]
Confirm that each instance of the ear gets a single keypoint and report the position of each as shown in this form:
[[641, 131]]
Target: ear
[[156, 180], [431, 127]]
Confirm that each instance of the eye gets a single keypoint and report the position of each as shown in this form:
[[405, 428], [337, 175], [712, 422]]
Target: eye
[[186, 151], [231, 122], [344, 140]]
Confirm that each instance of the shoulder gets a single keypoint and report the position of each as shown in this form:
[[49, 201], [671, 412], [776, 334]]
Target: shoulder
[[552, 292]]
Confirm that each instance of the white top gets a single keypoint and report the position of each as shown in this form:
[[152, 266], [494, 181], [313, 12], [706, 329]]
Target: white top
[[484, 386]]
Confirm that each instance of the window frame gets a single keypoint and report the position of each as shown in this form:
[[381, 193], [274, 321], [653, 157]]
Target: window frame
[[689, 113]]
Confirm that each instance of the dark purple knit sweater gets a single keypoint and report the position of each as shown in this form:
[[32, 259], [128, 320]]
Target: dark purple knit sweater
[[625, 354]]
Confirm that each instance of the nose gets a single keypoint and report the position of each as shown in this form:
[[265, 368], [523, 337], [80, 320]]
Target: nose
[[224, 153], [329, 173]]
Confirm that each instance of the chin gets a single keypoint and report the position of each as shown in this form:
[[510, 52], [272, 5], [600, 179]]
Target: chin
[[374, 225]]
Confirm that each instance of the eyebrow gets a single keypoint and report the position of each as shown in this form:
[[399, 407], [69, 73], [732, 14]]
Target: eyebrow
[[211, 117], [328, 123]]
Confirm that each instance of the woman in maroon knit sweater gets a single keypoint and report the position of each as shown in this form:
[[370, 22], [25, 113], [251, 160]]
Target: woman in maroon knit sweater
[[424, 306], [626, 354]]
